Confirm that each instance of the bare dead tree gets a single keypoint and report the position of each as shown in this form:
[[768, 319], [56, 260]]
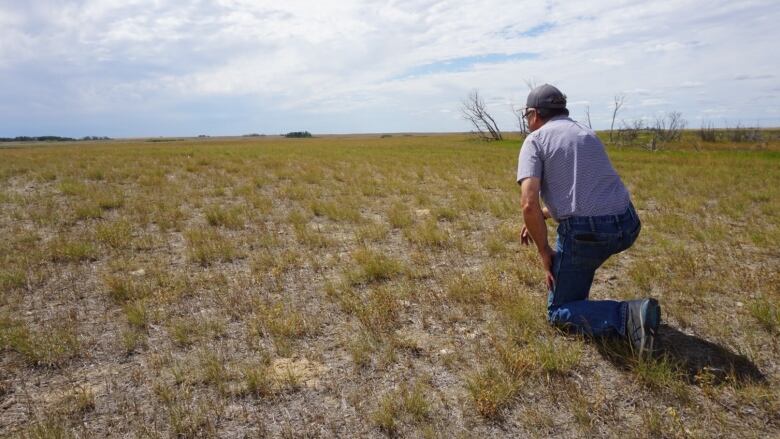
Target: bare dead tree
[[518, 112], [618, 102], [707, 132], [475, 111], [587, 116], [629, 132], [675, 126], [531, 83], [521, 122], [743, 133], [667, 128]]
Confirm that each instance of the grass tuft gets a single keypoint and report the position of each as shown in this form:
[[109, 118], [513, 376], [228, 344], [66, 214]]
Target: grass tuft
[[766, 313], [399, 216], [117, 234], [491, 391], [208, 246], [428, 234], [232, 218], [468, 288], [52, 345], [373, 266], [406, 404], [65, 249]]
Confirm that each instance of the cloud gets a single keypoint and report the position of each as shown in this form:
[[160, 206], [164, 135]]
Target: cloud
[[747, 77], [372, 64]]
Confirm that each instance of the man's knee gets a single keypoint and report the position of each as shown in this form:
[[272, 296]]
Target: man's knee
[[557, 315]]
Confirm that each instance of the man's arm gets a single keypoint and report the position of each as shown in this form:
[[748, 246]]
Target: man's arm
[[534, 218]]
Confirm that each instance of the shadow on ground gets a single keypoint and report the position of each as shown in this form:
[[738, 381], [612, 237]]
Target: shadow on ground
[[696, 357]]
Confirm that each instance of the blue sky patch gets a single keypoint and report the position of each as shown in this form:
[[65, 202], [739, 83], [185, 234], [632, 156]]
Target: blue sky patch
[[511, 32], [538, 30], [465, 63]]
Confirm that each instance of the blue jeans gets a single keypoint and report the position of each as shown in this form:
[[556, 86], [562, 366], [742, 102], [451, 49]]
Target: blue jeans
[[583, 244]]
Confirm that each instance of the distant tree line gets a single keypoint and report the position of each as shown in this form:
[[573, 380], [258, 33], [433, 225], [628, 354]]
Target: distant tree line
[[298, 134], [49, 138]]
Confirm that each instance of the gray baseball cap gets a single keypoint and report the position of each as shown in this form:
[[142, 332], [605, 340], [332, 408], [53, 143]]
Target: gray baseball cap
[[546, 96]]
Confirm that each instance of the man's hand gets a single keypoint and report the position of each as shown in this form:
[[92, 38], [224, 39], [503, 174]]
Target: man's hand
[[535, 228], [547, 254], [525, 237]]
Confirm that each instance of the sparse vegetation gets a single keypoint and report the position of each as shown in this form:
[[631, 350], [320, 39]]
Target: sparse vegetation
[[367, 285]]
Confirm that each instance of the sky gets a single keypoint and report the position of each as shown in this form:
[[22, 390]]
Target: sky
[[132, 68]]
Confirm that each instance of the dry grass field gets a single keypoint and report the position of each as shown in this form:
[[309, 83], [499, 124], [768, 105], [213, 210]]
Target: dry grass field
[[367, 287]]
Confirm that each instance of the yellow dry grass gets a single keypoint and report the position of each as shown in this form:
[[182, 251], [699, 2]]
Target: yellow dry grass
[[166, 281]]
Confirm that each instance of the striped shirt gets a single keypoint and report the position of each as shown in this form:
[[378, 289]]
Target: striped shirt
[[577, 177]]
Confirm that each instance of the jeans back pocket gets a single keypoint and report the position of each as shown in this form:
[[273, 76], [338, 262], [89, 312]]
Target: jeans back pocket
[[591, 249]]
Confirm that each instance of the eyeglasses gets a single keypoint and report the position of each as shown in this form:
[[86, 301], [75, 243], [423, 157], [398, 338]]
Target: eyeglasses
[[528, 113]]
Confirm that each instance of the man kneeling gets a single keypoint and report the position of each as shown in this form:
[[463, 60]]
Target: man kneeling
[[567, 163]]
